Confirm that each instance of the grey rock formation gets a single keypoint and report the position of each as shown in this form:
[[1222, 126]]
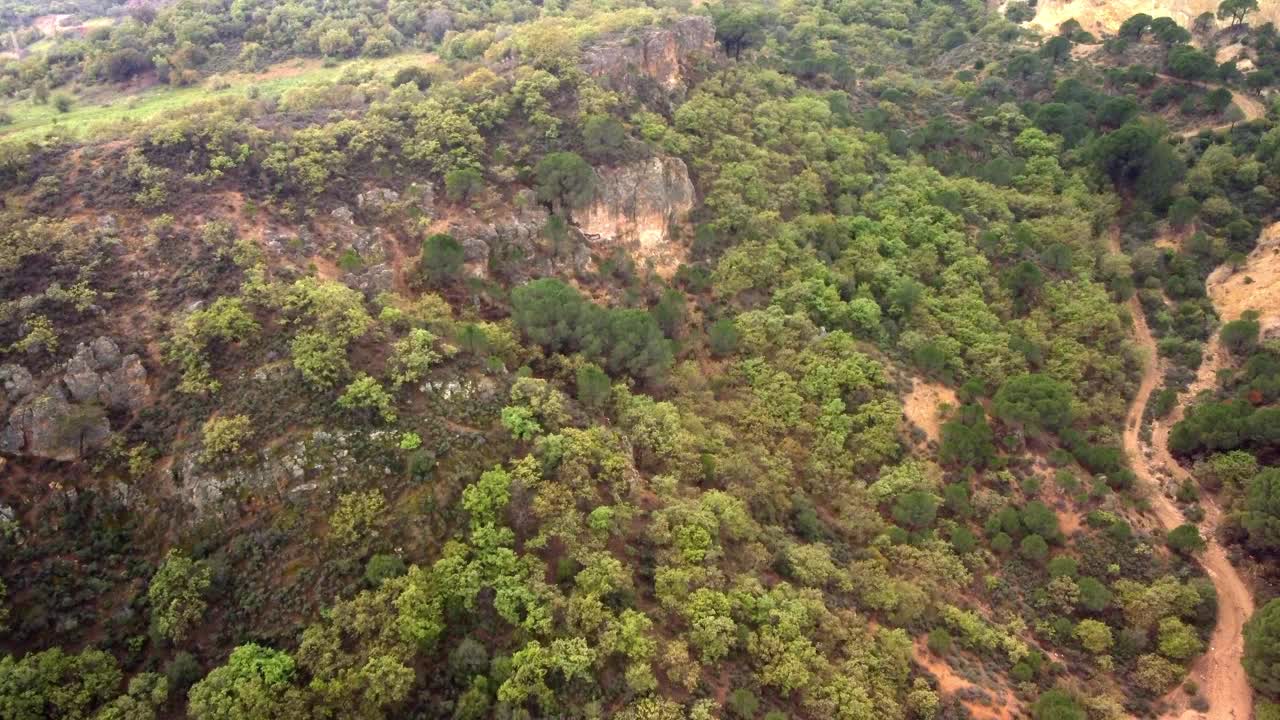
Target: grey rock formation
[[48, 426], [377, 199], [372, 280], [16, 382], [517, 234], [658, 56], [69, 416], [343, 214], [97, 373]]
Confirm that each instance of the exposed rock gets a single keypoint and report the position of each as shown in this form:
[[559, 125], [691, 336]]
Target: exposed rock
[[377, 199], [476, 253], [373, 279], [426, 198], [637, 204], [67, 418], [660, 56], [97, 373], [343, 214], [16, 381], [516, 235], [48, 426]]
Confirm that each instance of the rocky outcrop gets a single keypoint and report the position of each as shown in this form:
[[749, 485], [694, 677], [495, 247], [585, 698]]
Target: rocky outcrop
[[659, 56], [69, 416], [519, 243], [638, 204], [98, 374], [377, 200]]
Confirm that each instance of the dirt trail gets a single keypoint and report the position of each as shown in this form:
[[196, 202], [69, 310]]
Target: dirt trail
[[1251, 108], [1218, 672]]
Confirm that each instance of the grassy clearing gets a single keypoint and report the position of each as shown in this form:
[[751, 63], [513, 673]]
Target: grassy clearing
[[95, 112]]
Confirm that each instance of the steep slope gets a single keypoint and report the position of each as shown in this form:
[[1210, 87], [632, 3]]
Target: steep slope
[[1106, 15], [1218, 672]]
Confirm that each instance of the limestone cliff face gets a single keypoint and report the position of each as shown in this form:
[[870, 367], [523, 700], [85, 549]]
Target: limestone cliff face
[[637, 204], [658, 55], [1106, 15]]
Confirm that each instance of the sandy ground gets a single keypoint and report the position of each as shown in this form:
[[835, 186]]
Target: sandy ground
[[1107, 15], [921, 405], [950, 682], [1218, 672], [1256, 286]]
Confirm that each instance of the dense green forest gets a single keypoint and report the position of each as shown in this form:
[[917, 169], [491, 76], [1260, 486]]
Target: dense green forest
[[647, 360]]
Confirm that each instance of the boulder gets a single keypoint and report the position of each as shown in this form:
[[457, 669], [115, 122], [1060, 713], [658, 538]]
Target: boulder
[[343, 214], [372, 280], [518, 234], [98, 373], [476, 253], [16, 382]]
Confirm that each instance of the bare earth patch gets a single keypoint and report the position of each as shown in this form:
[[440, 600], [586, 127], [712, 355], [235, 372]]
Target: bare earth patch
[[921, 406], [1256, 286], [950, 683]]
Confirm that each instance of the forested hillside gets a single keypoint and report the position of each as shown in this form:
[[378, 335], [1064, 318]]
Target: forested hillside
[[652, 360]]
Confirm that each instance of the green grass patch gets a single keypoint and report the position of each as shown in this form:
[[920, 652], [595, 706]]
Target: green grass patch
[[95, 111]]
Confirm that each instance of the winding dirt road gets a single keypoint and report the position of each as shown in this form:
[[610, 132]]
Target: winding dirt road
[[1218, 672]]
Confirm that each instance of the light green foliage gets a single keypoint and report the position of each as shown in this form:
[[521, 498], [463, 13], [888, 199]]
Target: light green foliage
[[321, 358], [1230, 471], [1156, 674], [1177, 640], [534, 664], [486, 498], [366, 393], [1094, 636], [412, 356], [357, 517], [38, 334], [520, 422], [252, 683], [225, 321], [547, 404], [56, 684], [712, 631], [147, 693], [327, 307], [1144, 606], [176, 594], [223, 438]]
